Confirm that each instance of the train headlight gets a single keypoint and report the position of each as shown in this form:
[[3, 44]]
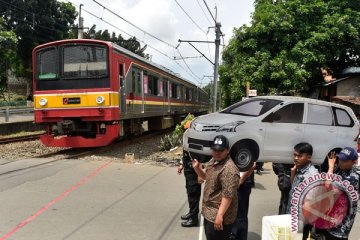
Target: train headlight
[[100, 99], [43, 101]]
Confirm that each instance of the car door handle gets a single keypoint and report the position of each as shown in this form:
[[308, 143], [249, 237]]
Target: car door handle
[[331, 130], [297, 128]]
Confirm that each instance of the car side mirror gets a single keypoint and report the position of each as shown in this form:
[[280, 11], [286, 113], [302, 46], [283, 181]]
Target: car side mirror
[[272, 117]]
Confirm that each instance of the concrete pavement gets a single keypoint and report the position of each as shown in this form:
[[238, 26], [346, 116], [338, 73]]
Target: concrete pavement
[[77, 199]]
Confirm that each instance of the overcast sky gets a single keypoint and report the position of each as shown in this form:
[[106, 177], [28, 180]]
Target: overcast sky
[[168, 22]]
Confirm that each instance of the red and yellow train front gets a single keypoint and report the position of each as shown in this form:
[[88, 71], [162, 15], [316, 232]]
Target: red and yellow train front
[[73, 94]]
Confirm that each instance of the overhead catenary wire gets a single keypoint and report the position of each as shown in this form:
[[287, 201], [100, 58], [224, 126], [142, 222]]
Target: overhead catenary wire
[[209, 11], [203, 12], [197, 25], [188, 70], [138, 28]]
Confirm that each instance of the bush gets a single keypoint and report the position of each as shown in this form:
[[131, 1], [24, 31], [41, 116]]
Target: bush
[[175, 139], [169, 142]]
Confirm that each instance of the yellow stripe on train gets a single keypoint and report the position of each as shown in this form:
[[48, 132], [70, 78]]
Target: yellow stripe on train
[[97, 99], [75, 100], [139, 102]]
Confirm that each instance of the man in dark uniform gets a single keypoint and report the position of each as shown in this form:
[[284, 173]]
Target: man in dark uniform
[[283, 171], [193, 190]]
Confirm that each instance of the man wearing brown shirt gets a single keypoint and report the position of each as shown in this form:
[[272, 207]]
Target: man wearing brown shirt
[[220, 192]]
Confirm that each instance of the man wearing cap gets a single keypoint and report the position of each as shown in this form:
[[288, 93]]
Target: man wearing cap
[[219, 206], [347, 159]]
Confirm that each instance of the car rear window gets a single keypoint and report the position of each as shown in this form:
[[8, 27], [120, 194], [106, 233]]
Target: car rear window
[[320, 115], [252, 107], [343, 118]]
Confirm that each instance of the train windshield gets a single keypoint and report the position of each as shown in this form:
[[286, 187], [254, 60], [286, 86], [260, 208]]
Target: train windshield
[[72, 66], [84, 61]]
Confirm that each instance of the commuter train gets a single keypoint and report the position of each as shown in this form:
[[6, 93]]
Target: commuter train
[[88, 93]]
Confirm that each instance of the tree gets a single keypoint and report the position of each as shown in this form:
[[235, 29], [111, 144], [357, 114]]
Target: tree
[[8, 43], [36, 22], [131, 44], [287, 44]]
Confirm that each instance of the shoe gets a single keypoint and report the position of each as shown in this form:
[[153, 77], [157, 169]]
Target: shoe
[[190, 223], [185, 216]]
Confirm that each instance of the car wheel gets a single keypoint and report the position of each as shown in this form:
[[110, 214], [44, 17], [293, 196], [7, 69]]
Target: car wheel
[[244, 159]]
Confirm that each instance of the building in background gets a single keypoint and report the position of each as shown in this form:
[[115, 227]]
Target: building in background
[[343, 88]]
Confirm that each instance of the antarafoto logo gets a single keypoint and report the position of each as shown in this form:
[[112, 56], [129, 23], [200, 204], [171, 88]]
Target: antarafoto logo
[[322, 200]]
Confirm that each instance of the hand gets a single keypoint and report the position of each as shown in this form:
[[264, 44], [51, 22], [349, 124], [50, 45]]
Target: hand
[[195, 163], [218, 225], [200, 180], [241, 181], [331, 160], [293, 169], [179, 169]]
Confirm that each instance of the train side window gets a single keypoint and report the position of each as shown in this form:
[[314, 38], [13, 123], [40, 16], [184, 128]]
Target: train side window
[[165, 87], [153, 85], [160, 87], [133, 81], [146, 83], [138, 80], [121, 75], [178, 92], [174, 90], [170, 90]]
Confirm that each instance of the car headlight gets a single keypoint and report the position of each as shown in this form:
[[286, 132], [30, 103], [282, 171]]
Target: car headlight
[[43, 101], [193, 124], [100, 99], [229, 127]]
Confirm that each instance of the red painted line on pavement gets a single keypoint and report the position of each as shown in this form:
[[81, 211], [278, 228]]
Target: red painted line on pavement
[[44, 208]]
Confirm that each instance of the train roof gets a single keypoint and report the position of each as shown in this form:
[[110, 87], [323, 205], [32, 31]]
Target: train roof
[[138, 57], [122, 50]]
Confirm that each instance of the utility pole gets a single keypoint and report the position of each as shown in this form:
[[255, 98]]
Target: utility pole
[[218, 34], [81, 24], [216, 67]]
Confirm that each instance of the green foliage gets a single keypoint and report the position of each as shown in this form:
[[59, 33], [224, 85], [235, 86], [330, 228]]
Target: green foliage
[[35, 22], [8, 44], [131, 44], [287, 43], [175, 139], [17, 103], [169, 142]]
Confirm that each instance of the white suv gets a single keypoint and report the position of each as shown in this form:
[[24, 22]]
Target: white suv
[[268, 128]]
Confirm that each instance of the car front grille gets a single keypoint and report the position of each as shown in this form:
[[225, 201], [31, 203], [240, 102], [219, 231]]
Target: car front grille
[[209, 128], [203, 143]]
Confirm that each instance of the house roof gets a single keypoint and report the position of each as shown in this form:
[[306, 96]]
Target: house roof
[[325, 84], [349, 99]]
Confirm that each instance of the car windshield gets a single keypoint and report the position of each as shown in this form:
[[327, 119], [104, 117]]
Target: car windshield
[[252, 107]]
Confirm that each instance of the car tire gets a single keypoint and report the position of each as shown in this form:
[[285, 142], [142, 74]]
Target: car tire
[[244, 159]]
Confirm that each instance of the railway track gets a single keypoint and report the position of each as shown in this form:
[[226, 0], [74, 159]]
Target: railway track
[[20, 138], [71, 153]]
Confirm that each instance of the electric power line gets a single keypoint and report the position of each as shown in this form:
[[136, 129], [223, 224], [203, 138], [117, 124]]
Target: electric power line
[[191, 73], [206, 34], [197, 25], [209, 10], [203, 12], [145, 32]]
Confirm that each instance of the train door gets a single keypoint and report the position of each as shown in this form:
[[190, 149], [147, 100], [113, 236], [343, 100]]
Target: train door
[[122, 88]]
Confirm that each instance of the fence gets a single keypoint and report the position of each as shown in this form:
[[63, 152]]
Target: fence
[[6, 112]]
